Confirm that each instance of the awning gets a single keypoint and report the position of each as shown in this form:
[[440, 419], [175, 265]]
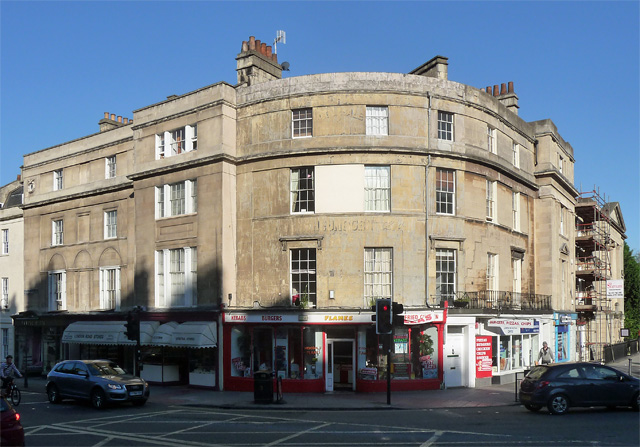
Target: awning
[[106, 333], [195, 334], [163, 336]]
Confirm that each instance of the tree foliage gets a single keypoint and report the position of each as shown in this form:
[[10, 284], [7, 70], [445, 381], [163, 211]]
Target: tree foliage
[[631, 292]]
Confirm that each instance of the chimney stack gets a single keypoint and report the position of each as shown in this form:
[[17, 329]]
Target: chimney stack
[[437, 67], [257, 63]]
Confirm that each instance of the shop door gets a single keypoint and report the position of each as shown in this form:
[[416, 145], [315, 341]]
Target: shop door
[[453, 374], [340, 368]]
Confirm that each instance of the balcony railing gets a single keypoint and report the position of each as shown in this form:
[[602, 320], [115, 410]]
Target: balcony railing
[[496, 299]]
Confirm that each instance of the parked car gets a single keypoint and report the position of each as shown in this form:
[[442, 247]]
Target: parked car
[[11, 431], [563, 385], [98, 381]]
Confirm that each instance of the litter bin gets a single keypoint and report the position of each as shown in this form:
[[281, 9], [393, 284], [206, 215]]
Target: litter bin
[[262, 387]]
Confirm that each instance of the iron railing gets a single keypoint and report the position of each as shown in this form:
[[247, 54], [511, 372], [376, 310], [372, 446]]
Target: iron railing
[[495, 299]]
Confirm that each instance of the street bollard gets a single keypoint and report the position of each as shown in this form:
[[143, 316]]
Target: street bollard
[[629, 366]]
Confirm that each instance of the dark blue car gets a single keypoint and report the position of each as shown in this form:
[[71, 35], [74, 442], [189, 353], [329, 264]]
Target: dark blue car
[[564, 385]]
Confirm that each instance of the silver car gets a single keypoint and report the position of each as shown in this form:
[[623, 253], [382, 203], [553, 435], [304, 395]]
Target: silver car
[[98, 381]]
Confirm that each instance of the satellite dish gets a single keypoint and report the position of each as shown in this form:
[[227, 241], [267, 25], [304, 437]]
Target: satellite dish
[[285, 66]]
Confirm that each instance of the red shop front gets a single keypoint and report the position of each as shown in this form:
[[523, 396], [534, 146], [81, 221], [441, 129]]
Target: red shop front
[[319, 351]]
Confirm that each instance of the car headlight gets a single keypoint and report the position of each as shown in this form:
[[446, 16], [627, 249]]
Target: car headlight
[[114, 386]]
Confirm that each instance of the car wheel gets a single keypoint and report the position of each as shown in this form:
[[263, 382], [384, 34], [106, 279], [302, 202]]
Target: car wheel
[[98, 399], [53, 394], [635, 403], [532, 407], [139, 403], [558, 404]]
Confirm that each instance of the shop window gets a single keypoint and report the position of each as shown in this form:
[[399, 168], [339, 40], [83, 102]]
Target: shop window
[[312, 349], [263, 349], [202, 369], [240, 352]]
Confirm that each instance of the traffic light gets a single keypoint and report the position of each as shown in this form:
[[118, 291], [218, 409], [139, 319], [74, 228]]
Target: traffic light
[[383, 316], [132, 327], [397, 308]]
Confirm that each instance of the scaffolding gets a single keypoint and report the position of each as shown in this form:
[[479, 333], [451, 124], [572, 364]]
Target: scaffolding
[[593, 269]]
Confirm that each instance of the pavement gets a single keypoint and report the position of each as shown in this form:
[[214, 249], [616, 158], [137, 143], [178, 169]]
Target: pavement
[[489, 396]]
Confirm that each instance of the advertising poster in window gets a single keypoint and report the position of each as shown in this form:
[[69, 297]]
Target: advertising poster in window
[[483, 357]]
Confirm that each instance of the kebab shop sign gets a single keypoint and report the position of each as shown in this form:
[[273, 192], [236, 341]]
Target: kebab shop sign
[[483, 357]]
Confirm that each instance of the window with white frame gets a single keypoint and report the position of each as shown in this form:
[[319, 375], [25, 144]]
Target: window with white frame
[[377, 188], [302, 123], [177, 141], [445, 126], [492, 143], [5, 241], [110, 288], [57, 232], [110, 224], [560, 163], [378, 274], [516, 264], [377, 120], [515, 205], [176, 277], [110, 167], [492, 187], [177, 198], [303, 277], [4, 300], [492, 271], [57, 290], [564, 280], [445, 274], [516, 155], [57, 180], [445, 191], [302, 190], [562, 211]]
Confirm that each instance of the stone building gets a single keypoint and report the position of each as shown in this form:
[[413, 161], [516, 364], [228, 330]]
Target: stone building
[[11, 266], [254, 225]]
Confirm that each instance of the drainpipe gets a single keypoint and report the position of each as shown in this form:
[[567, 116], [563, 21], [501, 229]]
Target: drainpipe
[[426, 201]]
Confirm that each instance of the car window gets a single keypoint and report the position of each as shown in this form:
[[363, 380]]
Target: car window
[[68, 368], [572, 373], [80, 368], [537, 372], [596, 372], [106, 369]]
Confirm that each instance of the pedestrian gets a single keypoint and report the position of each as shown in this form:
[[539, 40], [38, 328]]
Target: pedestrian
[[546, 355], [7, 369]]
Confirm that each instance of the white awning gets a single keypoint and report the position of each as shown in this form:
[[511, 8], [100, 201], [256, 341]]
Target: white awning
[[106, 333], [195, 334], [163, 336]]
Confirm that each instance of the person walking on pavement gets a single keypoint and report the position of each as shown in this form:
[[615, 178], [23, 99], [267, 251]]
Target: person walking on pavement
[[7, 370], [546, 355]]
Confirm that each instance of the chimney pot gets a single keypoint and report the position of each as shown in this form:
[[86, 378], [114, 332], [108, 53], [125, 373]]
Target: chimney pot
[[126, 120], [510, 90], [274, 57], [488, 89], [113, 117], [258, 44], [119, 119], [19, 177], [503, 89], [106, 115], [269, 51], [252, 43], [495, 90], [263, 49]]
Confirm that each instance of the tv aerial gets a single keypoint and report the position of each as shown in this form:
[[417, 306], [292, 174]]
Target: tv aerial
[[281, 36]]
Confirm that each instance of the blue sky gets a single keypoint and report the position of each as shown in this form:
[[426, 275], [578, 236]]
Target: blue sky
[[63, 64]]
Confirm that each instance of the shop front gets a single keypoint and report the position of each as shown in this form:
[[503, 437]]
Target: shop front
[[512, 343], [565, 331], [329, 351]]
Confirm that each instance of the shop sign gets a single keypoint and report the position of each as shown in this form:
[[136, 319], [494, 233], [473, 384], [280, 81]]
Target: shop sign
[[513, 327], [296, 318], [484, 353], [615, 288], [423, 317], [369, 373], [565, 319]]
